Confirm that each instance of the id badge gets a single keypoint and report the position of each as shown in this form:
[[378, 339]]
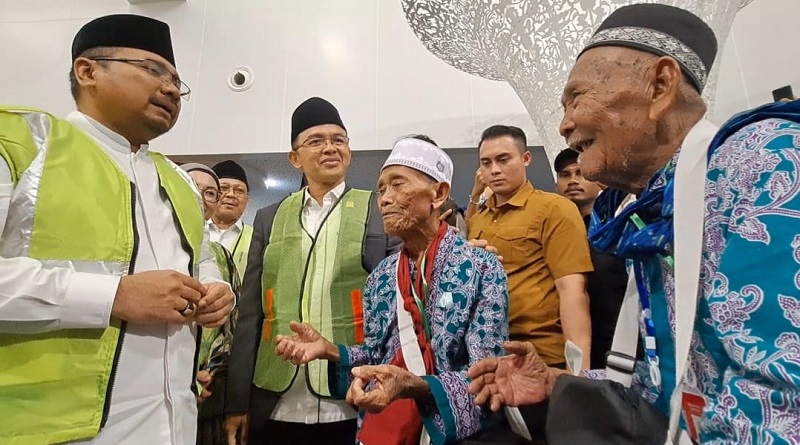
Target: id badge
[[692, 405]]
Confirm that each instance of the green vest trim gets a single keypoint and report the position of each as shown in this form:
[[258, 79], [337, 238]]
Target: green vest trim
[[242, 248], [55, 386], [286, 278]]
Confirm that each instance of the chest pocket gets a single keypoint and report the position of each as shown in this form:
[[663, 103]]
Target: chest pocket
[[513, 244]]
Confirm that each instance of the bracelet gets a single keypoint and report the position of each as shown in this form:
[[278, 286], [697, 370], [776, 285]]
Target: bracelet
[[473, 202]]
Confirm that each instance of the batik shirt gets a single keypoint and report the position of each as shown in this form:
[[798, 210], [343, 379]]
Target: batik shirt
[[750, 282], [468, 313], [745, 356]]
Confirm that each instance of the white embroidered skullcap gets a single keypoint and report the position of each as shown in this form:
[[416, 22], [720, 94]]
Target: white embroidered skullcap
[[422, 156]]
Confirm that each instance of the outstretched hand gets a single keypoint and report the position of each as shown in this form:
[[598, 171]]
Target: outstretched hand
[[520, 378], [305, 345]]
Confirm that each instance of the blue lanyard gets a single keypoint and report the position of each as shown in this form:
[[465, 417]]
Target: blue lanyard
[[647, 313], [649, 325]]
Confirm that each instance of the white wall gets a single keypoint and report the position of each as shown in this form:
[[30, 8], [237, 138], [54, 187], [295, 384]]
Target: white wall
[[359, 54]]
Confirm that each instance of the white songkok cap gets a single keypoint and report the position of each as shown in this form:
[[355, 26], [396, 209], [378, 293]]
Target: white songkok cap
[[422, 156]]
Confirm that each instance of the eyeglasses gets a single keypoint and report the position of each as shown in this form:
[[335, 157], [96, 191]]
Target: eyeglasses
[[318, 143], [236, 190], [210, 195], [156, 70]]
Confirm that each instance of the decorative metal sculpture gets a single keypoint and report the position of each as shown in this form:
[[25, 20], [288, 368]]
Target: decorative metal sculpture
[[532, 44]]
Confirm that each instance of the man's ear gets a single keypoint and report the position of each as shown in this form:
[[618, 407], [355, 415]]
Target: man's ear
[[440, 195], [527, 158], [85, 71], [294, 159], [665, 81]]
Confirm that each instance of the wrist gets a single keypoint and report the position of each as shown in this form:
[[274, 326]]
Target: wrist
[[552, 375], [332, 352], [416, 388]]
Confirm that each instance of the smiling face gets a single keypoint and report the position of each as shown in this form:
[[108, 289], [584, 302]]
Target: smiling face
[[233, 199], [127, 96], [322, 153], [606, 114], [409, 200]]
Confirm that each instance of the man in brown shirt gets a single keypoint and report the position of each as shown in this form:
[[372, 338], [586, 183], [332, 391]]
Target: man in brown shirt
[[542, 240]]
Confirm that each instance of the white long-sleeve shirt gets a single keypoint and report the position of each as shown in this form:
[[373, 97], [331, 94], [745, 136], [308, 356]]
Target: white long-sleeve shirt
[[151, 400]]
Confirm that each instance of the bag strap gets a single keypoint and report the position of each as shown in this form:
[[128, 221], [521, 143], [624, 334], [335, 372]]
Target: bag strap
[[621, 359], [690, 175]]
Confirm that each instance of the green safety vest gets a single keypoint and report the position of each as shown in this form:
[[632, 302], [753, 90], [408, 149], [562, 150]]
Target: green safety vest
[[313, 279], [71, 207]]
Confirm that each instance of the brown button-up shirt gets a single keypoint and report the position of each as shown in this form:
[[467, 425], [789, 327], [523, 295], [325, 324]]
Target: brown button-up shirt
[[541, 237]]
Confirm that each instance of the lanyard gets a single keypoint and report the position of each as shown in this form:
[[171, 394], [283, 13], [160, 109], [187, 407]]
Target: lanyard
[[418, 301], [647, 313]]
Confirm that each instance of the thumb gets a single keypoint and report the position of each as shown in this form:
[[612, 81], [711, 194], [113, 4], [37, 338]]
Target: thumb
[[519, 347], [298, 328]]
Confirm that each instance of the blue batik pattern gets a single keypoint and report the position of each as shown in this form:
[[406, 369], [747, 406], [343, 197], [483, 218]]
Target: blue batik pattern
[[751, 282], [468, 325]]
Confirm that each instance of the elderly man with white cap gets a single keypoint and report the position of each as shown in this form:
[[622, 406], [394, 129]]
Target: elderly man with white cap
[[430, 311]]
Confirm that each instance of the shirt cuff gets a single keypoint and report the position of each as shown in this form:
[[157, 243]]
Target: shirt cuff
[[88, 301]]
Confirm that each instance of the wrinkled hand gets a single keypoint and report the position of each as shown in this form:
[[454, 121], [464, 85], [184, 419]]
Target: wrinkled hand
[[521, 378], [214, 308], [204, 378], [237, 427], [156, 296], [390, 383], [306, 345], [483, 244]]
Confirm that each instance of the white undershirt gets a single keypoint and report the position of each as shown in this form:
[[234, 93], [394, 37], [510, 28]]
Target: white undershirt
[[226, 237]]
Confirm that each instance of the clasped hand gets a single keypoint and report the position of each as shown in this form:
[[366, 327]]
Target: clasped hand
[[162, 296], [387, 383]]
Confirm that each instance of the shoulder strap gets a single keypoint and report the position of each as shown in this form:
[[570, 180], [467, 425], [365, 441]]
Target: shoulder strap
[[621, 359], [690, 176]]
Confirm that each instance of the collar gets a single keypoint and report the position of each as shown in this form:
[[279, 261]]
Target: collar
[[102, 133], [696, 141], [518, 200], [238, 226], [335, 194], [645, 227]]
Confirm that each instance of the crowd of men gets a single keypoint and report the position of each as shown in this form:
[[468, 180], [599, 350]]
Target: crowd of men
[[136, 307]]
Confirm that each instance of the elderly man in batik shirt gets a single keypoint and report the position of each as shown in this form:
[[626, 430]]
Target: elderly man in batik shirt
[[633, 108], [430, 312]]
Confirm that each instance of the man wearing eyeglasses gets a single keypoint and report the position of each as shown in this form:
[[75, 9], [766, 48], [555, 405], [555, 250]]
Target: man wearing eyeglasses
[[105, 271], [226, 226], [215, 343], [309, 260]]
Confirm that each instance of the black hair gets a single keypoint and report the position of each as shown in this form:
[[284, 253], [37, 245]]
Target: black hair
[[496, 131]]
